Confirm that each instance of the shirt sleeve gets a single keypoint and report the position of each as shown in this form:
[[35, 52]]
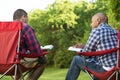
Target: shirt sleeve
[[93, 41], [31, 41]]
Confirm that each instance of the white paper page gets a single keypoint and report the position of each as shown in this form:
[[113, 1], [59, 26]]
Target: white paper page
[[47, 47], [75, 49]]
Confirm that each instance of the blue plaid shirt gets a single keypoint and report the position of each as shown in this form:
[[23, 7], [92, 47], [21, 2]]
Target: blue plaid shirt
[[102, 38]]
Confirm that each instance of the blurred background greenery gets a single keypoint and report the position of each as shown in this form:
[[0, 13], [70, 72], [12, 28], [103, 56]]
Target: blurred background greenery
[[65, 23]]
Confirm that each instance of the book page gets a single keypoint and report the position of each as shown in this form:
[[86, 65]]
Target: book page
[[47, 47], [75, 49]]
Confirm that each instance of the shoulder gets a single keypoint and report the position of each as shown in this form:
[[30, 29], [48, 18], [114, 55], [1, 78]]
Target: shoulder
[[104, 27], [25, 26], [95, 30]]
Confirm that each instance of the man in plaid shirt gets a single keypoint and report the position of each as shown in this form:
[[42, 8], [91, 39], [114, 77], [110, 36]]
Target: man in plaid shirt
[[29, 44], [102, 37]]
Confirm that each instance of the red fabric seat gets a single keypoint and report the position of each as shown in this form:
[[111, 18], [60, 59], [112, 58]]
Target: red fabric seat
[[9, 49], [113, 74], [109, 75]]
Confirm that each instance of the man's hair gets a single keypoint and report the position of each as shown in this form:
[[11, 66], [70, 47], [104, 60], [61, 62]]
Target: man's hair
[[19, 13], [103, 17]]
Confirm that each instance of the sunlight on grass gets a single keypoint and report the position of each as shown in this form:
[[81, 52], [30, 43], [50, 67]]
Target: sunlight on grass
[[52, 73], [59, 74]]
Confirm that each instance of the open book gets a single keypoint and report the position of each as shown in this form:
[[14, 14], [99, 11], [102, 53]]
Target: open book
[[75, 49], [47, 47]]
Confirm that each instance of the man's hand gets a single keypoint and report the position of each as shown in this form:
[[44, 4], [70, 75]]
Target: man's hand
[[79, 45]]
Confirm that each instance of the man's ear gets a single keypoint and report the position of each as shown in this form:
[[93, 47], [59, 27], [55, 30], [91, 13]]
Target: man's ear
[[22, 19], [98, 20]]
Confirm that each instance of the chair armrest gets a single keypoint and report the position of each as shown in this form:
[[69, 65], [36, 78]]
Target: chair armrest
[[98, 53], [32, 55]]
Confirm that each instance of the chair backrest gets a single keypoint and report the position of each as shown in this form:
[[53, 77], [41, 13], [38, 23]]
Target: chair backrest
[[9, 35]]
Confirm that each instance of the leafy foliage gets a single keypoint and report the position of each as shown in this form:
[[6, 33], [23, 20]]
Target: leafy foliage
[[65, 23], [61, 14], [113, 10]]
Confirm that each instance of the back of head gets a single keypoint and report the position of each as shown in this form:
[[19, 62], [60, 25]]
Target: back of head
[[98, 18], [102, 17], [18, 14]]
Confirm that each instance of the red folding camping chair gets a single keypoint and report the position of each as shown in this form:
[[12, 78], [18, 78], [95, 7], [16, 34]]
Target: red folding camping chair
[[113, 74], [9, 50]]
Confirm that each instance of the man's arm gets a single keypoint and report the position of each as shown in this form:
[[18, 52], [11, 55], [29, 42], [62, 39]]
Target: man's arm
[[31, 41], [92, 41]]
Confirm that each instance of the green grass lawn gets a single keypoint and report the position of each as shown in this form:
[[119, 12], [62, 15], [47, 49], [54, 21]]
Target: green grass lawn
[[51, 73], [59, 74]]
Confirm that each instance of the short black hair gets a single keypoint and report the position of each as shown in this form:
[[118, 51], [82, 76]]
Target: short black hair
[[19, 13]]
